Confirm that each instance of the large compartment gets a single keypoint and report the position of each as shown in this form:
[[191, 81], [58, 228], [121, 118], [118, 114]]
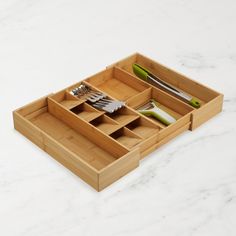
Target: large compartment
[[117, 84]]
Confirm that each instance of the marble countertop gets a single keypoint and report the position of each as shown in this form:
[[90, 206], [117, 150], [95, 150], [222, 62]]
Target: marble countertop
[[187, 187]]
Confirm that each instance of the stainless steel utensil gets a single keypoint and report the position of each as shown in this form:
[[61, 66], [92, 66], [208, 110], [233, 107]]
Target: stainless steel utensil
[[145, 75], [108, 105], [97, 99], [85, 92]]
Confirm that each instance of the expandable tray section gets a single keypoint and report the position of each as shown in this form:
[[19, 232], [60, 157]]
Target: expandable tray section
[[96, 158], [211, 100]]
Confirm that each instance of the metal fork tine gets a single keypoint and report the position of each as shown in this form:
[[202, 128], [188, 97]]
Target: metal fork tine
[[98, 99]]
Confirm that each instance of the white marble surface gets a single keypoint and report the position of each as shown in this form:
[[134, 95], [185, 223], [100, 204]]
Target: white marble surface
[[187, 187]]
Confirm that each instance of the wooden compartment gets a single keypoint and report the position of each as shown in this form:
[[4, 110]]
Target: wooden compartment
[[142, 127], [123, 116], [78, 106], [101, 147], [126, 137], [117, 83], [66, 99], [105, 124], [178, 109], [75, 143], [86, 112], [211, 100]]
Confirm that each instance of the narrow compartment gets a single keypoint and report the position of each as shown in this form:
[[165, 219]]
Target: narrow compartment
[[143, 128], [123, 116], [74, 141], [193, 88], [70, 101], [66, 99], [177, 109], [105, 124], [126, 137], [180, 111], [86, 112], [117, 84]]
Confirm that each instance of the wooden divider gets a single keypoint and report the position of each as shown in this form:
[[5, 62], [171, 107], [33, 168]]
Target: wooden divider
[[86, 129], [211, 100]]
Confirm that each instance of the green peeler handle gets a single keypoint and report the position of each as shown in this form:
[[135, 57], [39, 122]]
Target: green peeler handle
[[156, 116]]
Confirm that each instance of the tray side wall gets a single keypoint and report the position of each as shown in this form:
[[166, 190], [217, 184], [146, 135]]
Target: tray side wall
[[206, 112], [56, 150], [119, 168]]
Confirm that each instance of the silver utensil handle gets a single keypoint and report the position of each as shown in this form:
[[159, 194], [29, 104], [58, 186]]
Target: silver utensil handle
[[169, 88]]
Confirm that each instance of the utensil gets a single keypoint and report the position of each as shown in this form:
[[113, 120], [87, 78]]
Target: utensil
[[97, 99], [144, 74], [108, 105], [85, 92], [152, 109]]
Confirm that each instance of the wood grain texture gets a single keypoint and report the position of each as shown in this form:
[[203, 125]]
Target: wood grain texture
[[206, 112], [85, 129], [119, 168], [56, 150], [211, 100], [101, 148]]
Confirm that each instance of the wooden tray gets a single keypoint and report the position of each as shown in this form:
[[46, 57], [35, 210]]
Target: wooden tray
[[101, 147]]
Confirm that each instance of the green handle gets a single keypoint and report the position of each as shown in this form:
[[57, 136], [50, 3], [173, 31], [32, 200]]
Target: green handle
[[140, 72], [195, 103], [143, 74], [155, 115]]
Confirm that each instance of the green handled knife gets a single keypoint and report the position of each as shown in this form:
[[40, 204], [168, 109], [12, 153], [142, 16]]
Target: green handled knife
[[144, 74]]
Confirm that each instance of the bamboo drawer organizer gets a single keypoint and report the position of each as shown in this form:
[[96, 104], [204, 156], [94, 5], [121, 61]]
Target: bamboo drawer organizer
[[102, 147]]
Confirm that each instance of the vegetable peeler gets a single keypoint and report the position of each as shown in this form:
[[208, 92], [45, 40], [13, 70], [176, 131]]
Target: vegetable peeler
[[144, 74], [151, 109]]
